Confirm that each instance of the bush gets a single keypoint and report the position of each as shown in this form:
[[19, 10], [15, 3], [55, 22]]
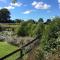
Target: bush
[[22, 30]]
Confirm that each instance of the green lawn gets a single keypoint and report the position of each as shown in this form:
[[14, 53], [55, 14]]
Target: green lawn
[[6, 48]]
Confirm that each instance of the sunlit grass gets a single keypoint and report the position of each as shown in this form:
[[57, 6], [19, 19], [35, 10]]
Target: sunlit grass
[[6, 48]]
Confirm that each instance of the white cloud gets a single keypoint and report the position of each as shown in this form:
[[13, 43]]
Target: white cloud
[[27, 12], [40, 5], [16, 4], [9, 7], [12, 6], [58, 1], [34, 3], [52, 17]]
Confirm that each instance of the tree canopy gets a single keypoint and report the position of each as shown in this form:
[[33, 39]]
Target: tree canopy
[[4, 15]]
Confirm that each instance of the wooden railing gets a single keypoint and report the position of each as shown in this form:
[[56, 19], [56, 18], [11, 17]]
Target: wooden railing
[[22, 49]]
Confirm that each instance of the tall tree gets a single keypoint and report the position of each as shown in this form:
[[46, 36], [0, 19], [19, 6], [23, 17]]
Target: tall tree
[[48, 21], [4, 15], [40, 20]]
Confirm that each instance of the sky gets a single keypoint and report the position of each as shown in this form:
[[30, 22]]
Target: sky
[[32, 9]]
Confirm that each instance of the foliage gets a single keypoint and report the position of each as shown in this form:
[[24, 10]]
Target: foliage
[[30, 29], [39, 54], [22, 30], [49, 37], [48, 21], [49, 41], [4, 15], [18, 20], [40, 20], [31, 21]]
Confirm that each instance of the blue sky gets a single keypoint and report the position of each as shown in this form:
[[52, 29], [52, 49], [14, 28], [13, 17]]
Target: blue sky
[[32, 9]]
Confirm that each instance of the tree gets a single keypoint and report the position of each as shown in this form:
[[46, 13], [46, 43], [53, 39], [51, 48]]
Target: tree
[[18, 20], [31, 21], [40, 20], [4, 15], [48, 21]]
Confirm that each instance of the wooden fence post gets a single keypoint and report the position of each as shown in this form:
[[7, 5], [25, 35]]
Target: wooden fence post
[[21, 54]]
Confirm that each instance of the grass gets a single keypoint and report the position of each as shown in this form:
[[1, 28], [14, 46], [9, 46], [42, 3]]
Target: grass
[[10, 24], [6, 48]]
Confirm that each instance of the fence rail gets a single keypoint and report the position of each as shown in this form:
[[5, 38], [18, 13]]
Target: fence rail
[[21, 50]]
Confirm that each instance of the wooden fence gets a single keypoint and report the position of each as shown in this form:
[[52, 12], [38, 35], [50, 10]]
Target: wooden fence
[[21, 50]]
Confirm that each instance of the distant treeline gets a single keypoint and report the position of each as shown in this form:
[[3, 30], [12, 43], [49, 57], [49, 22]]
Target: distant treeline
[[6, 18]]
